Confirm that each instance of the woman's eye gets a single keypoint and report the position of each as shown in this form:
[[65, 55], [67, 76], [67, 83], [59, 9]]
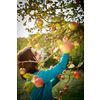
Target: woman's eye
[[35, 53]]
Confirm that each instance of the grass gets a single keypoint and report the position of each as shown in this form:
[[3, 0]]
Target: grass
[[75, 90]]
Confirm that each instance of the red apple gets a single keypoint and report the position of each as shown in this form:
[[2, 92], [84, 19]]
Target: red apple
[[51, 66], [39, 44], [61, 92], [53, 28], [33, 40], [62, 77], [30, 45], [65, 38], [73, 25], [77, 1], [65, 89], [70, 62], [22, 71], [60, 98], [34, 78], [67, 86], [58, 76], [39, 82], [66, 47], [77, 75], [77, 40], [40, 21], [64, 71]]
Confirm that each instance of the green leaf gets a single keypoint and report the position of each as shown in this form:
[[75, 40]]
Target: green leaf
[[26, 84], [27, 75], [24, 24], [29, 87]]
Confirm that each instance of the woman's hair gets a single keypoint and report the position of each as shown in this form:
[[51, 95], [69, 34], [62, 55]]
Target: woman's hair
[[25, 55]]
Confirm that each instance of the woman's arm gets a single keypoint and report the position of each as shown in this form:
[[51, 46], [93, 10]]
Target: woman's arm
[[56, 70], [54, 81]]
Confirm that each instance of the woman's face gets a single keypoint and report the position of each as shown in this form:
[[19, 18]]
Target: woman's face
[[37, 55]]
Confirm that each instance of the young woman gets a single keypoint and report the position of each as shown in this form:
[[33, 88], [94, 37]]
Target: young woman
[[48, 76]]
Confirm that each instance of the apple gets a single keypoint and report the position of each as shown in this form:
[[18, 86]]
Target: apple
[[34, 40], [73, 25], [77, 40], [30, 45], [58, 76], [58, 58], [77, 1], [64, 71], [77, 75], [65, 89], [39, 44], [39, 82], [51, 66], [53, 28], [62, 77], [65, 38], [60, 98], [34, 78], [22, 71], [67, 86], [40, 21], [61, 92], [66, 47], [70, 62]]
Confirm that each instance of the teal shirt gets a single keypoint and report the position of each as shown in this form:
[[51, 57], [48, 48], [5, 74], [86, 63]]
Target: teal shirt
[[45, 92]]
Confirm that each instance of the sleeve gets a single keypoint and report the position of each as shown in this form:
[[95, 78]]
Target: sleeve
[[54, 81], [56, 70]]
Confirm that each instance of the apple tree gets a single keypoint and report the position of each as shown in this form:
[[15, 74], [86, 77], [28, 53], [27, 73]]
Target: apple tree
[[55, 25]]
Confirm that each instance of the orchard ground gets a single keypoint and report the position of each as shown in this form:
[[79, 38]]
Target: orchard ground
[[75, 90]]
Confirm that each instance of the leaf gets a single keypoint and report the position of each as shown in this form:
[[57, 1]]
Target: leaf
[[79, 65], [26, 84], [72, 71], [71, 66], [29, 87], [27, 75], [24, 24]]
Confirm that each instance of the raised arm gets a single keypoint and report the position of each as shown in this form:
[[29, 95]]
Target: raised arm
[[56, 70]]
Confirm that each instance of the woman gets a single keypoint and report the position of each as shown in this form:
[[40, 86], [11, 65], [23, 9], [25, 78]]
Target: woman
[[44, 92]]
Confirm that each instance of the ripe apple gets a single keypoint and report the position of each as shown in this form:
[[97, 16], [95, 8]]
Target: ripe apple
[[58, 76], [60, 98], [66, 47], [65, 89], [33, 40], [70, 62], [77, 75], [77, 1], [77, 40], [64, 71], [22, 71], [67, 86], [51, 66], [62, 77], [39, 44], [73, 25], [34, 78], [30, 45], [53, 28], [65, 38], [40, 21], [39, 82], [61, 92]]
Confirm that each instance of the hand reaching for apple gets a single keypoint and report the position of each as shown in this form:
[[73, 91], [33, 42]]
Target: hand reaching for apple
[[66, 47]]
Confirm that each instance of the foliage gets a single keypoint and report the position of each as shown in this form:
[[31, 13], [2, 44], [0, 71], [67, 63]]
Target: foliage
[[51, 20]]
